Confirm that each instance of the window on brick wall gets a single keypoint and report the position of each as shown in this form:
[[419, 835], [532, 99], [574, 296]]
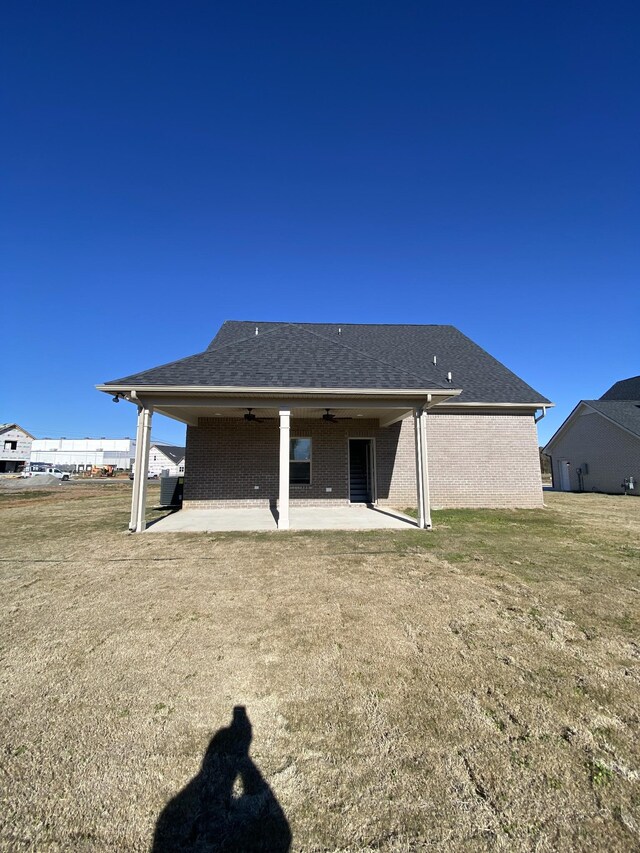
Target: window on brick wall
[[300, 461]]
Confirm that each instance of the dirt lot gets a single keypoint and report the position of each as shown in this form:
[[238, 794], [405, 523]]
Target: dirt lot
[[476, 688]]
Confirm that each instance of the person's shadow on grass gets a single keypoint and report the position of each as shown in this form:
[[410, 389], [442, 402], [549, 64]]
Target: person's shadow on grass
[[228, 807]]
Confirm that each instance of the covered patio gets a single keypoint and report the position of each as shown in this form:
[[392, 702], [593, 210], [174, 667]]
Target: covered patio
[[254, 519], [384, 409]]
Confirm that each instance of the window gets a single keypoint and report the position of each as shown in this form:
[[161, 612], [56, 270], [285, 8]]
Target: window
[[300, 461], [10, 445]]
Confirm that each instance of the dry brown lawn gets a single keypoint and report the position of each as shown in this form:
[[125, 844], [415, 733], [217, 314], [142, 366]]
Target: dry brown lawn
[[475, 688]]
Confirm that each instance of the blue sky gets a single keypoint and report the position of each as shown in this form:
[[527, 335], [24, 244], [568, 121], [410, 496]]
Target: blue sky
[[167, 166]]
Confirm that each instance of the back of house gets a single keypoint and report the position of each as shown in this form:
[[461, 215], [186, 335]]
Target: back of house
[[320, 414]]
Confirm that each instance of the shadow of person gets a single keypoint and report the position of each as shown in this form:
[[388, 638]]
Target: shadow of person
[[228, 807]]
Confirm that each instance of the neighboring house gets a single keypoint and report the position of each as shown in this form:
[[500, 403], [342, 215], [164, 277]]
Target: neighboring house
[[317, 414], [597, 448], [82, 454], [166, 459], [15, 448]]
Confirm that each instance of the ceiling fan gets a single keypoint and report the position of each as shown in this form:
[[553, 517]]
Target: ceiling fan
[[332, 419], [251, 418]]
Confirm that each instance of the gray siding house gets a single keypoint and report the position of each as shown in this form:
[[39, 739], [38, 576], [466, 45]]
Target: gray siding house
[[597, 448], [318, 414]]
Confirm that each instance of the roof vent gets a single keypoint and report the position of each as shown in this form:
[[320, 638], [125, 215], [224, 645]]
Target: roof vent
[[435, 360], [339, 330], [449, 378], [256, 330]]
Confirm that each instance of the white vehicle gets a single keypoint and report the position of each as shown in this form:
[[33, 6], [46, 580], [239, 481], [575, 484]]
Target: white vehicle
[[53, 472]]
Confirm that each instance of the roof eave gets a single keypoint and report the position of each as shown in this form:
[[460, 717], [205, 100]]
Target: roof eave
[[463, 404], [209, 390]]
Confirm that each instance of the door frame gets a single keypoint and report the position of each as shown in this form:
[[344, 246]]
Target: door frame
[[373, 472], [563, 470]]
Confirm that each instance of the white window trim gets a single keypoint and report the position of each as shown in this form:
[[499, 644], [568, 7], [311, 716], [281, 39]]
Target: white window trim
[[301, 485]]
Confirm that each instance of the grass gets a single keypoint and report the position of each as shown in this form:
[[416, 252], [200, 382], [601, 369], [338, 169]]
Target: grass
[[476, 687]]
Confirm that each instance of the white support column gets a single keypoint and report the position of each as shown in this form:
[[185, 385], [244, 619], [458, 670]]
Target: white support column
[[422, 470], [425, 470], [143, 470], [283, 492], [137, 466]]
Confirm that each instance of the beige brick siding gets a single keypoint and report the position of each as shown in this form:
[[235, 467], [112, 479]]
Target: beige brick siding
[[474, 460], [611, 454], [484, 460]]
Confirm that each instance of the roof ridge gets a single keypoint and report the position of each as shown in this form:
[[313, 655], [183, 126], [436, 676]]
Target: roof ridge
[[279, 326], [364, 354], [634, 400], [307, 323], [246, 338]]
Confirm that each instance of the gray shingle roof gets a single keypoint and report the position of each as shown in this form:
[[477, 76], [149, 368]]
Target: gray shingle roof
[[626, 413], [319, 355], [626, 389], [172, 451]]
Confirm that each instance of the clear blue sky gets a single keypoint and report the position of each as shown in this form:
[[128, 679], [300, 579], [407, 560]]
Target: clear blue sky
[[166, 166]]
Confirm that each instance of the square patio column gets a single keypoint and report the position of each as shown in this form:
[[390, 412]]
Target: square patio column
[[142, 471], [283, 491], [422, 468], [137, 464]]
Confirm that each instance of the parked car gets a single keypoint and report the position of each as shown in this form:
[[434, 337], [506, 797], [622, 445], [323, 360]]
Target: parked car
[[150, 476], [53, 472]]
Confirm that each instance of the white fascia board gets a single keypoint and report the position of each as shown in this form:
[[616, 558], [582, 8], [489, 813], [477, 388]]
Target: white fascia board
[[210, 390], [534, 406]]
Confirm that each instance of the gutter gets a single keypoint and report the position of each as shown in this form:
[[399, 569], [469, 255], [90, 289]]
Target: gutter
[[540, 417], [286, 392]]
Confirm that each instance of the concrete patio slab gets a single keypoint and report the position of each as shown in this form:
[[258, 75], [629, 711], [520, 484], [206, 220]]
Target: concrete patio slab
[[301, 518]]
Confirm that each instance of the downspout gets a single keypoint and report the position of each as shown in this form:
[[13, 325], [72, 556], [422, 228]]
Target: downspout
[[537, 420], [540, 417]]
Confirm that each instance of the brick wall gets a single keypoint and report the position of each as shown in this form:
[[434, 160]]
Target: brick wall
[[483, 460], [611, 454], [227, 458], [474, 460]]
